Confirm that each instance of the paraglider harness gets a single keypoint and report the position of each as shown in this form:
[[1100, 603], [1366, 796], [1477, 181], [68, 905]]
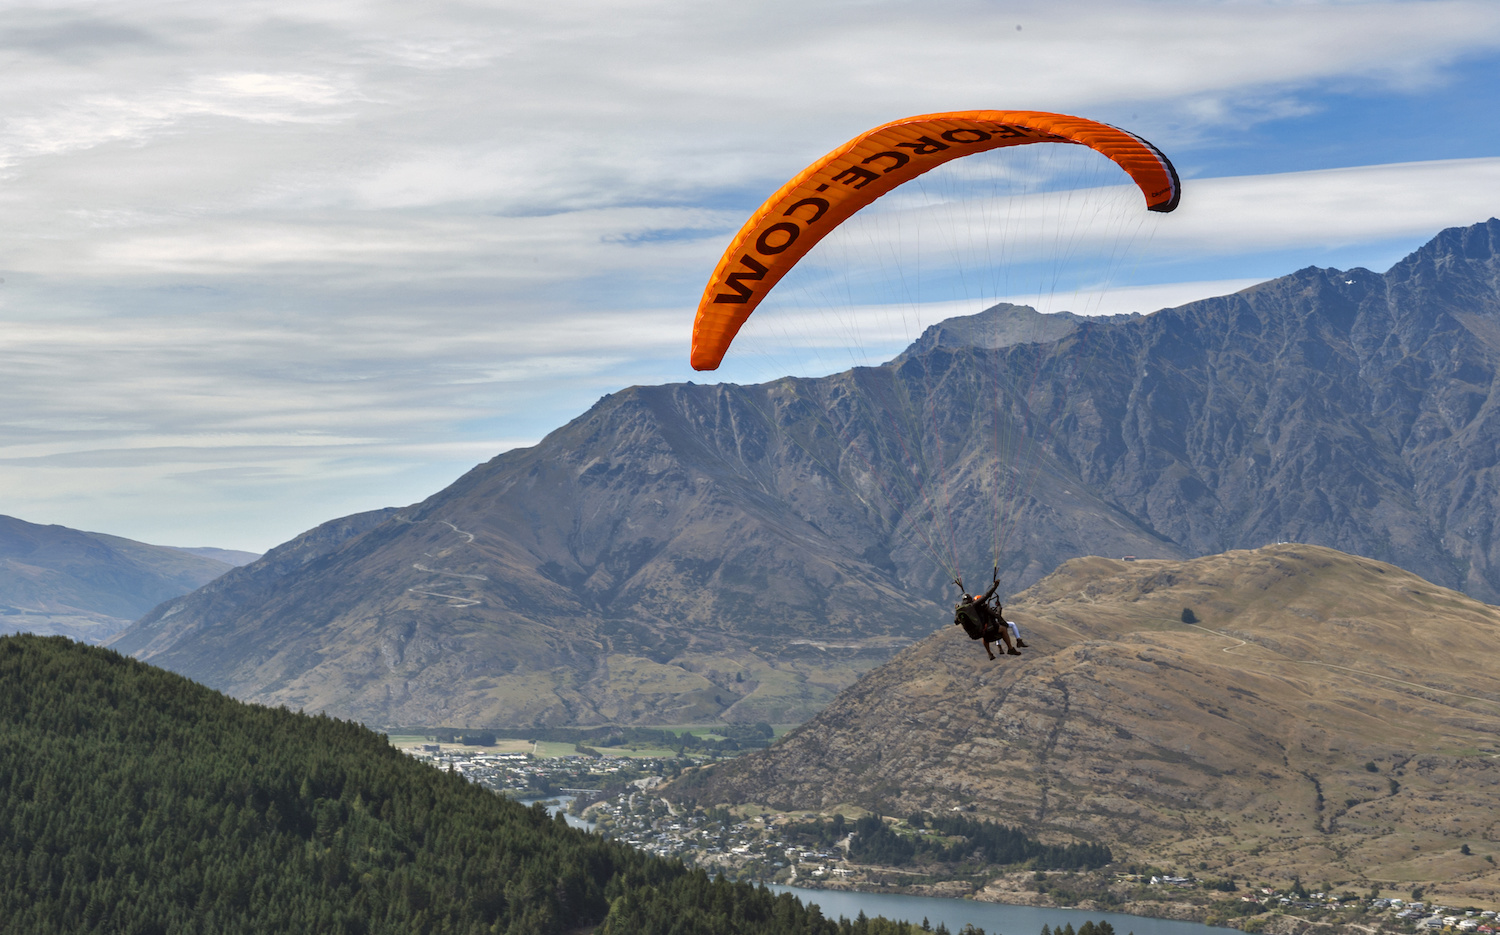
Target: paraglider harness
[[978, 621]]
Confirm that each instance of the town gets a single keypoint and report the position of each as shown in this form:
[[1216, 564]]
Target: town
[[612, 795]]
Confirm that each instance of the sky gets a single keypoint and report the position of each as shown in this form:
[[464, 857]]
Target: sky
[[269, 264]]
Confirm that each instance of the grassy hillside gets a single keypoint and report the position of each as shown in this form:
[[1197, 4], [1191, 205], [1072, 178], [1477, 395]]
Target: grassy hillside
[[135, 801], [1317, 714]]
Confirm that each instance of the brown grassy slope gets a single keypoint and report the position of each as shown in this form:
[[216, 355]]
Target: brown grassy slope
[[1240, 742]]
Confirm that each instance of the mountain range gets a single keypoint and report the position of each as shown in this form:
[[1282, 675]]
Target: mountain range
[[88, 585], [688, 553], [1325, 716]]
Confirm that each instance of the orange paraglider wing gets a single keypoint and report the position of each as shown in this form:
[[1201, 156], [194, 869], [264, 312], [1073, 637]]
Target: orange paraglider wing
[[831, 190]]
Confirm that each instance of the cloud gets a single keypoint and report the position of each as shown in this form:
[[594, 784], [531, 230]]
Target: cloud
[[1359, 204], [1217, 217], [360, 385], [588, 104], [818, 341], [266, 263]]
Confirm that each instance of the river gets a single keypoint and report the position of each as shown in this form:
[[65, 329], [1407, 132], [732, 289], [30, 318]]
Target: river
[[563, 801], [994, 918]]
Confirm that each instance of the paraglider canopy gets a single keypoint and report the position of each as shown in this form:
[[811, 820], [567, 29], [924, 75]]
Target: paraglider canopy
[[832, 189]]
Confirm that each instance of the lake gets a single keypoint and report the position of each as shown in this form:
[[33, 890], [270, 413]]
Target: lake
[[994, 918]]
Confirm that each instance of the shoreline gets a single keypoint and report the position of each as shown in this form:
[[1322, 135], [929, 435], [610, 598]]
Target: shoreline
[[1265, 923]]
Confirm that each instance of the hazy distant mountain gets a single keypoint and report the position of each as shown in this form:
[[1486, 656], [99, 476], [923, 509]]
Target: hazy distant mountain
[[86, 585], [233, 557], [1327, 716], [681, 553]]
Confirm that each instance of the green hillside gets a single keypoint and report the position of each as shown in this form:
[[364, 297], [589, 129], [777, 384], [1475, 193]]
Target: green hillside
[[135, 801]]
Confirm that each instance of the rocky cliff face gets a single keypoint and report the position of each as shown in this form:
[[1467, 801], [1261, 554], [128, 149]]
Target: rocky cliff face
[[1327, 715], [87, 585], [685, 552], [1339, 407]]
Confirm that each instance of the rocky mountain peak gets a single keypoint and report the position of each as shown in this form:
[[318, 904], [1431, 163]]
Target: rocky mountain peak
[[1000, 326], [1460, 266]]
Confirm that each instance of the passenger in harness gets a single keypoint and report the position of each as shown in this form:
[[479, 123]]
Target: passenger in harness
[[983, 622]]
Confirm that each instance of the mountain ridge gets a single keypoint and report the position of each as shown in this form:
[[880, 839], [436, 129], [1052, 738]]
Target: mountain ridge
[[233, 557], [88, 585], [684, 553], [1002, 325]]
